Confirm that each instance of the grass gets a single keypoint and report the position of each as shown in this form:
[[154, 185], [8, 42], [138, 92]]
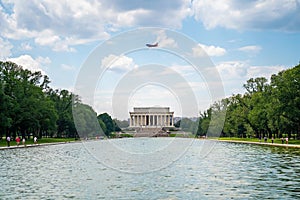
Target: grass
[[3, 142], [186, 135], [277, 140], [122, 135], [126, 135]]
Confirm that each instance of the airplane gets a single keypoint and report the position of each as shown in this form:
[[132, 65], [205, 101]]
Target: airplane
[[152, 45]]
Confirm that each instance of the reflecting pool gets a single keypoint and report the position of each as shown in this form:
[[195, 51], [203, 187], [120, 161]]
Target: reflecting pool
[[77, 171]]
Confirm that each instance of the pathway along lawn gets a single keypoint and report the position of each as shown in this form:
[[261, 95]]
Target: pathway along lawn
[[3, 142], [276, 140]]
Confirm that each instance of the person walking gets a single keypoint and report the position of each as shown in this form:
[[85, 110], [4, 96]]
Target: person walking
[[282, 140], [287, 140], [35, 140], [18, 140], [24, 141], [272, 140], [8, 141]]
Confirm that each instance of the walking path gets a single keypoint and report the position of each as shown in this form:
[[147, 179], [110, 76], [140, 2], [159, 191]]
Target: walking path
[[260, 143], [33, 145]]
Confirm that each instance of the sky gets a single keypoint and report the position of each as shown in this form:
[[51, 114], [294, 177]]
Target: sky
[[206, 49]]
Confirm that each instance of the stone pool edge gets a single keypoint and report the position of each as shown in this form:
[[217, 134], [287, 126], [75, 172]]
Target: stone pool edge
[[37, 145], [259, 143]]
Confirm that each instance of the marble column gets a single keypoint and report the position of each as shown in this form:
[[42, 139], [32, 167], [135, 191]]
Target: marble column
[[130, 122], [140, 120]]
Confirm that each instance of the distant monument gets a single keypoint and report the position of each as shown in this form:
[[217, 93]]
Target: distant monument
[[151, 117]]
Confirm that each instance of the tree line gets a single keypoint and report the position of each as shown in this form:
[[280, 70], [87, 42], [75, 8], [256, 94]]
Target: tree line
[[268, 108], [30, 107]]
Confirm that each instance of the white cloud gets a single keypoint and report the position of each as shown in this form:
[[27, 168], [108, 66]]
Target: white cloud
[[55, 24], [149, 13], [9, 26], [265, 71], [25, 46], [64, 24], [184, 70], [43, 60], [164, 40], [202, 50], [48, 38], [30, 63], [250, 49], [241, 70], [235, 73], [67, 67], [129, 18], [5, 48], [231, 70], [257, 14], [118, 63]]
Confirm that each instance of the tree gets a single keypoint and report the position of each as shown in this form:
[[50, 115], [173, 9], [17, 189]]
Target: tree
[[203, 123], [28, 106], [265, 109], [286, 94], [86, 120], [188, 125], [109, 124], [63, 104], [217, 117], [5, 106], [24, 100], [177, 124], [102, 126]]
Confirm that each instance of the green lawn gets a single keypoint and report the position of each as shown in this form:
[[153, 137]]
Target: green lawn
[[277, 140], [40, 141]]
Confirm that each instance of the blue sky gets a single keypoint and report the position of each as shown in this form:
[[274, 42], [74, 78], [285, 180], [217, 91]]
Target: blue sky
[[243, 39]]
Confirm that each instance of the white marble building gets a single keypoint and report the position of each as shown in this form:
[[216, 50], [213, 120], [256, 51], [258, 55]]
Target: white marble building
[[151, 117]]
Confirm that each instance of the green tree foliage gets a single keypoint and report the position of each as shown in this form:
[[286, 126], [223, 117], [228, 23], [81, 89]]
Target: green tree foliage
[[177, 124], [269, 109], [286, 94], [28, 106], [203, 124], [188, 125], [87, 124], [109, 123], [217, 118], [102, 126], [63, 104], [5, 105]]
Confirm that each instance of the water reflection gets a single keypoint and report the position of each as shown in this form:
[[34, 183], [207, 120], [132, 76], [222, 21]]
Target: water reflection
[[229, 171]]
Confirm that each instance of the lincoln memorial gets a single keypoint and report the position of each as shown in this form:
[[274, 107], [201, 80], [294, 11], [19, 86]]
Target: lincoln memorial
[[151, 117]]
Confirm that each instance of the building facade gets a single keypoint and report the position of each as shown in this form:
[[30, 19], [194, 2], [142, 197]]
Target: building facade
[[151, 117]]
